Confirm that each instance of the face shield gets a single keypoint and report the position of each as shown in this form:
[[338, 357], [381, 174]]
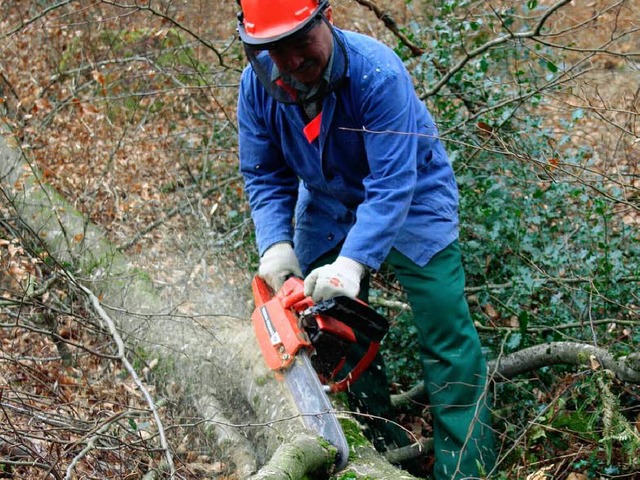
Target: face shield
[[319, 58]]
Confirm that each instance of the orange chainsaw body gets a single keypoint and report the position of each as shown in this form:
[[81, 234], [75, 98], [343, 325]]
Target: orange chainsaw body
[[287, 321], [275, 322]]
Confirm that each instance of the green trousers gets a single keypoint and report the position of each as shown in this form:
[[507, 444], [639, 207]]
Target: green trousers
[[453, 363]]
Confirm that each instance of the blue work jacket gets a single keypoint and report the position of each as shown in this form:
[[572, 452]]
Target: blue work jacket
[[376, 177]]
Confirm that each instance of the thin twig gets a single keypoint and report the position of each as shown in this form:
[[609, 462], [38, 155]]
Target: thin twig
[[95, 302], [171, 213], [88, 447], [391, 24], [175, 23], [496, 42], [37, 17]]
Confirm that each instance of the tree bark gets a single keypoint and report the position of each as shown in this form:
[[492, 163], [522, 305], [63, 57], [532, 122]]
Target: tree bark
[[304, 454], [625, 368]]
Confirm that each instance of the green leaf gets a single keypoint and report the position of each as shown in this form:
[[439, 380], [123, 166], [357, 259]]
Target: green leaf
[[552, 66], [577, 114], [532, 4], [576, 422], [514, 341], [537, 433]]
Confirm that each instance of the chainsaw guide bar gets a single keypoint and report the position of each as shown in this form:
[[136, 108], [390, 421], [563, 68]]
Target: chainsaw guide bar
[[314, 405]]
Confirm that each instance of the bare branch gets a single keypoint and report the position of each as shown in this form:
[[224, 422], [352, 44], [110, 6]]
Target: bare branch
[[626, 368], [530, 34], [37, 17], [391, 24], [95, 302], [175, 23]]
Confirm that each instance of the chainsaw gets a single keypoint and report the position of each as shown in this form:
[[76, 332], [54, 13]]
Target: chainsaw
[[306, 344]]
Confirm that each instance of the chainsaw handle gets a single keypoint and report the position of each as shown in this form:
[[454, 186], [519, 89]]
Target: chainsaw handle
[[361, 366], [262, 292], [291, 294], [355, 314]]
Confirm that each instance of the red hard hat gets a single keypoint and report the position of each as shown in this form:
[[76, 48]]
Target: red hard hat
[[266, 21]]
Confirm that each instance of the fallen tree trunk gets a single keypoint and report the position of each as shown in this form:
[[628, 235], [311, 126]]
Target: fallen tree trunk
[[309, 455], [215, 362], [372, 465], [302, 455]]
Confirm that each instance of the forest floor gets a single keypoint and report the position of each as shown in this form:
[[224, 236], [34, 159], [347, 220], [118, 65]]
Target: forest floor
[[127, 179]]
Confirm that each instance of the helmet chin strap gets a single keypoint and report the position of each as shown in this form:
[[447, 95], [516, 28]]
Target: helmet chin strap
[[284, 88]]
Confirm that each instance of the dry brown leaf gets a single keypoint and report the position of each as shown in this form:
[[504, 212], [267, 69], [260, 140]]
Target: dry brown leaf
[[594, 363], [540, 474], [17, 272], [66, 380], [98, 77], [14, 249], [491, 312], [42, 104], [207, 468], [88, 108], [484, 128], [576, 476]]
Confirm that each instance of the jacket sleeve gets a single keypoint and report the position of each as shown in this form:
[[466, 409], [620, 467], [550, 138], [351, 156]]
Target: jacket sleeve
[[270, 183], [390, 143]]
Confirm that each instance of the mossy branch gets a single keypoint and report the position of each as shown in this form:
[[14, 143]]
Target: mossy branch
[[625, 368]]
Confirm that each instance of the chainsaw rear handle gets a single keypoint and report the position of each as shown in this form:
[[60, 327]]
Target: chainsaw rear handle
[[351, 377], [350, 311], [291, 293], [355, 314]]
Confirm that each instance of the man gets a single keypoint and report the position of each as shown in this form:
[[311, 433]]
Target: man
[[344, 171]]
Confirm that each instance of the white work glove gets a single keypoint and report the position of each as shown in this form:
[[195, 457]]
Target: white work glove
[[277, 263], [340, 278]]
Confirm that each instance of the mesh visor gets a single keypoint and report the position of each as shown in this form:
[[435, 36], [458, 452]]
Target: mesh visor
[[285, 89]]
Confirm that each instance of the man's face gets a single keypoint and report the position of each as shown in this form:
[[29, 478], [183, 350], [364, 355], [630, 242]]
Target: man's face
[[305, 58]]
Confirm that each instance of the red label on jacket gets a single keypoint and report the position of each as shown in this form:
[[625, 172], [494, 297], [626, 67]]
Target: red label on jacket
[[312, 129]]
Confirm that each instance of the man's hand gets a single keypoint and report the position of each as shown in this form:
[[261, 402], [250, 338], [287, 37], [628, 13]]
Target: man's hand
[[277, 263], [340, 278]]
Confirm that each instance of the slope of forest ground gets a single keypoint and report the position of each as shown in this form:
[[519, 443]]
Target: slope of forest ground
[[147, 151]]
